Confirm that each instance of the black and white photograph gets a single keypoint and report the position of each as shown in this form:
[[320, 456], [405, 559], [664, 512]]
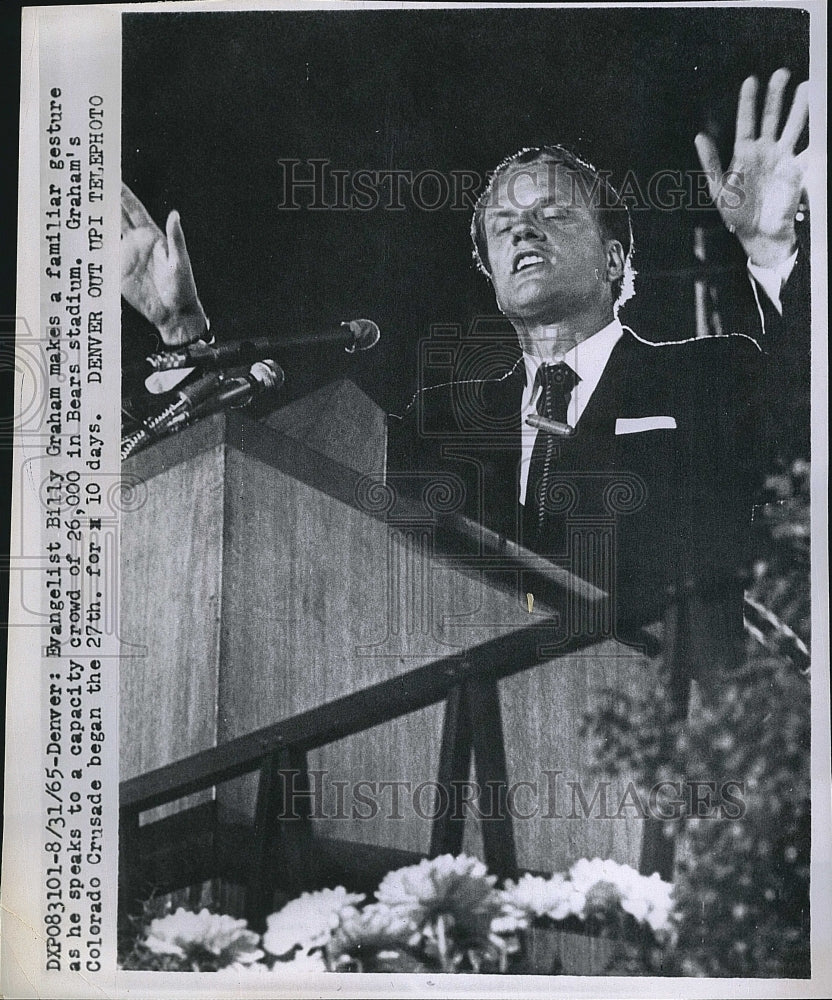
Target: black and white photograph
[[463, 578]]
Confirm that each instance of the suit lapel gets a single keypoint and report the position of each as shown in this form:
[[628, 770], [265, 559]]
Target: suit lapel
[[502, 401], [612, 394]]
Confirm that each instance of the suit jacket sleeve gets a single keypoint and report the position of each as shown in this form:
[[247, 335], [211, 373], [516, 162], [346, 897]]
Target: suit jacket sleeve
[[781, 387]]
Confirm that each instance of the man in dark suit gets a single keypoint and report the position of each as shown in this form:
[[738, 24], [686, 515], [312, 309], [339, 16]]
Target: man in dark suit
[[630, 463]]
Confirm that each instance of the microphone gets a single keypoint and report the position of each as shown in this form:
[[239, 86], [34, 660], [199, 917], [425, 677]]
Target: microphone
[[195, 401], [183, 404], [231, 393], [354, 335], [366, 334]]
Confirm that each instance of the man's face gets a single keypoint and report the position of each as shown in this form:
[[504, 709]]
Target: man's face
[[545, 249]]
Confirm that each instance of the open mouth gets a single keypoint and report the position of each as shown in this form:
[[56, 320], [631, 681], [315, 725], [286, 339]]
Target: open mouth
[[523, 261]]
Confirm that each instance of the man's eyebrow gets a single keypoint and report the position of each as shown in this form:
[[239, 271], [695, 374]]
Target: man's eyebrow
[[494, 217], [557, 202], [504, 213]]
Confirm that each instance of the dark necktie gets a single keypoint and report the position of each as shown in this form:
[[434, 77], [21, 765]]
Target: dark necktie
[[557, 382]]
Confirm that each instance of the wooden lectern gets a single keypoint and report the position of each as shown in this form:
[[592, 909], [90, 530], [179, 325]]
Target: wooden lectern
[[310, 665]]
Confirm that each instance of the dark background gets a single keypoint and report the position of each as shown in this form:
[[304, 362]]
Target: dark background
[[212, 102]]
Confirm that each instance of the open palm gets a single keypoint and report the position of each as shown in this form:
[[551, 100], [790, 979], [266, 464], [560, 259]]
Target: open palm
[[156, 276], [758, 195]]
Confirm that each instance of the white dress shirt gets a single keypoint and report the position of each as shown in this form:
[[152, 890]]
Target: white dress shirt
[[772, 279]]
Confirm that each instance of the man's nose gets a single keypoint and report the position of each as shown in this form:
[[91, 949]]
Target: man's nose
[[526, 229]]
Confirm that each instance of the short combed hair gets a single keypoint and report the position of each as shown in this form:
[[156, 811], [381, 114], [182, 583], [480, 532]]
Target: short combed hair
[[613, 214]]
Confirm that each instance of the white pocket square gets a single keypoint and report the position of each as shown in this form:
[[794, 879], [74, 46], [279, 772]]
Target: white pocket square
[[635, 425]]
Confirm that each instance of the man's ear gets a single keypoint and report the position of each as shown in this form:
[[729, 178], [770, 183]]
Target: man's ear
[[615, 258]]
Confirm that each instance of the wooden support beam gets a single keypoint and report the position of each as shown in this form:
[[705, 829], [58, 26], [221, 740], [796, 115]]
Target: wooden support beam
[[497, 828], [454, 766], [295, 859], [171, 853], [131, 862], [282, 854]]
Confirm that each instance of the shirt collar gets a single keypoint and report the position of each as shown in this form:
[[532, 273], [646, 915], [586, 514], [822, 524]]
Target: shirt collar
[[588, 359]]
